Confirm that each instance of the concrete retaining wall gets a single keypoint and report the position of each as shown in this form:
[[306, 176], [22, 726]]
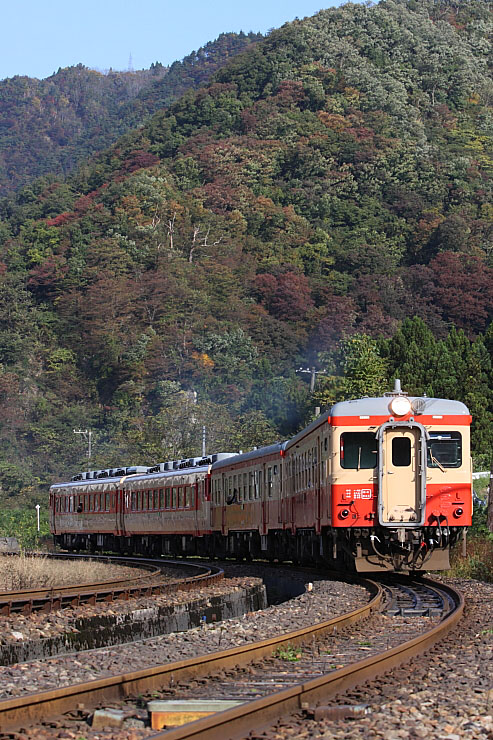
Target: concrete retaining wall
[[106, 630]]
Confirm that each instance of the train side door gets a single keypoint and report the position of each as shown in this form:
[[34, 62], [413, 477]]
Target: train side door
[[53, 521], [316, 474], [265, 490], [120, 509], [225, 492], [280, 490]]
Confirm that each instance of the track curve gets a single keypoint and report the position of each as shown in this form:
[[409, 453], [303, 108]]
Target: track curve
[[149, 584], [238, 722]]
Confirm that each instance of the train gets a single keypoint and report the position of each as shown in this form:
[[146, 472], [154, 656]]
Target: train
[[373, 484]]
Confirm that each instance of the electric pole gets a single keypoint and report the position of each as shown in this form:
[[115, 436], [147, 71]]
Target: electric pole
[[313, 375], [87, 434]]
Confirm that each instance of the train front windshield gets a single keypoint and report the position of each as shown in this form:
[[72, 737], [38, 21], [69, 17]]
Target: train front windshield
[[445, 449]]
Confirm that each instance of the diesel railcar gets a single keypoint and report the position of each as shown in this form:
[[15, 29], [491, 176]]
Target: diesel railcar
[[372, 484]]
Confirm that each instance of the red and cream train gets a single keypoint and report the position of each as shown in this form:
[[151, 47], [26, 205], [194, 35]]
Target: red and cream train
[[373, 484]]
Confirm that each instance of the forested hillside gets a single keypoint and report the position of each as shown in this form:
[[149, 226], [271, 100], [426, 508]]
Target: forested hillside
[[325, 201], [49, 126]]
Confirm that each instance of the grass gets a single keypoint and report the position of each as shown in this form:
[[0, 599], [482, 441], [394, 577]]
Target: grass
[[478, 562], [24, 571], [288, 652]]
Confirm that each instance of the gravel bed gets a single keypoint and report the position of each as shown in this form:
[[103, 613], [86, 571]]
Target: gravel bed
[[445, 695], [39, 625], [328, 599]]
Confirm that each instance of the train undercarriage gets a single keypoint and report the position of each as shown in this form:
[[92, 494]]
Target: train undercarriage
[[361, 550]]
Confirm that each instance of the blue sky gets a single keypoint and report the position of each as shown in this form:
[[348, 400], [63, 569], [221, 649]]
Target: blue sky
[[39, 37]]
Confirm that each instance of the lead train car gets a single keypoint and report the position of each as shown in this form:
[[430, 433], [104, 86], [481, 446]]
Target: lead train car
[[373, 484]]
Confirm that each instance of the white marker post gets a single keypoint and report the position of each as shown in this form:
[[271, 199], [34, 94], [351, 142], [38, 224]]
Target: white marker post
[[38, 507]]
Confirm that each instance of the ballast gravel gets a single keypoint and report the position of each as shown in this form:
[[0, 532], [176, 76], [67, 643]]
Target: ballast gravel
[[41, 625], [328, 599], [446, 694]]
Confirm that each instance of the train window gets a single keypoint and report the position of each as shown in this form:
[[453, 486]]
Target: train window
[[174, 498], [106, 501], [97, 498], [161, 498], [358, 450], [134, 501], [401, 452], [445, 450], [167, 498], [326, 444], [91, 502], [188, 497], [181, 498], [156, 500], [269, 480], [112, 501]]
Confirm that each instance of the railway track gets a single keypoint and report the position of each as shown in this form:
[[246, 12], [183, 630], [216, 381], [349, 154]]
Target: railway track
[[281, 690], [154, 582]]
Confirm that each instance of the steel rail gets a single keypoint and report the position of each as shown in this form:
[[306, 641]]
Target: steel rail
[[261, 713], [51, 598], [24, 710]]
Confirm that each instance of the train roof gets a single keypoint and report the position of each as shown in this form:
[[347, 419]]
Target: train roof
[[420, 406], [101, 483], [253, 454]]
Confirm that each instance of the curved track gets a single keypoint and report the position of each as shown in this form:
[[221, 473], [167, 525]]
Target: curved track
[[149, 584], [238, 722]]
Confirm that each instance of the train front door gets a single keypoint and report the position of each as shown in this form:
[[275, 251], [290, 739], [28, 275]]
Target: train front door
[[402, 474]]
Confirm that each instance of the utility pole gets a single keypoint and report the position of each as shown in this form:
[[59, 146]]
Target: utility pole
[[87, 434], [313, 375], [490, 500]]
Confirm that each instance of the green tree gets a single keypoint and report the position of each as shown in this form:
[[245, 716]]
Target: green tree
[[365, 372]]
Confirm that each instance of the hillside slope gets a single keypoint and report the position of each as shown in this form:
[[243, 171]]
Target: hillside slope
[[329, 184], [48, 126]]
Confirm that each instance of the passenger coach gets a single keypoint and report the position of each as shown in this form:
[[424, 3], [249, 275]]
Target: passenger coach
[[375, 483]]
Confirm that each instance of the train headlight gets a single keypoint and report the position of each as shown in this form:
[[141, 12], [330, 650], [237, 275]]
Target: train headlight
[[400, 406], [344, 513], [458, 513]]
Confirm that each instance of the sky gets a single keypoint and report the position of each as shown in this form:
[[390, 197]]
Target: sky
[[39, 37]]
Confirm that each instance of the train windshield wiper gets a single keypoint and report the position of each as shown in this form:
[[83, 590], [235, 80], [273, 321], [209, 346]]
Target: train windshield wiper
[[436, 462]]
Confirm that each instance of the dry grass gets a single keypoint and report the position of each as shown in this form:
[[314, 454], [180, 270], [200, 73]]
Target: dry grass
[[24, 572], [479, 560]]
